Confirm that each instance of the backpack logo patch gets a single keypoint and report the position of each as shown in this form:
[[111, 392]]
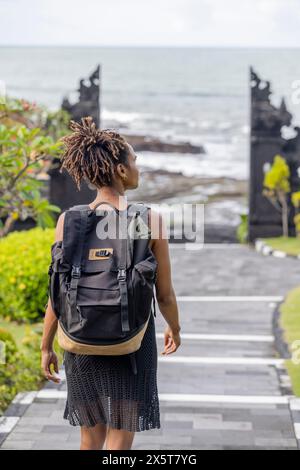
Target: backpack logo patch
[[100, 253]]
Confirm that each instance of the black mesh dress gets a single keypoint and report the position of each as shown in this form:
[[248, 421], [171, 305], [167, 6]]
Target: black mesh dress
[[104, 389]]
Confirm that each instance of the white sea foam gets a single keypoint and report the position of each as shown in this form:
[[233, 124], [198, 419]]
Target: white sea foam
[[213, 164], [120, 116]]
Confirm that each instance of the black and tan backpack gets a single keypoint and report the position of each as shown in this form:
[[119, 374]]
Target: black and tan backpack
[[101, 289]]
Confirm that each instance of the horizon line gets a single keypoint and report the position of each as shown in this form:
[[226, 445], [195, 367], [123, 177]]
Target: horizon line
[[144, 46]]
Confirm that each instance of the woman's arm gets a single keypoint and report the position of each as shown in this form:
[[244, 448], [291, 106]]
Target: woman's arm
[[49, 357], [165, 294]]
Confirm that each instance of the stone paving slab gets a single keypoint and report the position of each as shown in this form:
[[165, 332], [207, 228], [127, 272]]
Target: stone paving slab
[[223, 348], [217, 380], [231, 270], [224, 317]]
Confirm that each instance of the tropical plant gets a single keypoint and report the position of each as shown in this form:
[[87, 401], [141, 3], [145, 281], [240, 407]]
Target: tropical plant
[[25, 155], [14, 112], [277, 187]]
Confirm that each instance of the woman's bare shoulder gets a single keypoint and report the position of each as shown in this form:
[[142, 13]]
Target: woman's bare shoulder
[[59, 230]]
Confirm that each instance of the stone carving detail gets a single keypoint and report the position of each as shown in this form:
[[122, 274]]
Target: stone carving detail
[[265, 117], [89, 99]]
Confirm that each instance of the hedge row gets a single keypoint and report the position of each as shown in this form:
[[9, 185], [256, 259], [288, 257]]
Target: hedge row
[[24, 260]]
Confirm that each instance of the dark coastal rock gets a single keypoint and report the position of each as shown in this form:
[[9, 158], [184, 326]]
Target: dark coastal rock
[[161, 185], [153, 144]]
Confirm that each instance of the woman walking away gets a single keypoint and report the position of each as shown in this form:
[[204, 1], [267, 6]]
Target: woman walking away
[[104, 397]]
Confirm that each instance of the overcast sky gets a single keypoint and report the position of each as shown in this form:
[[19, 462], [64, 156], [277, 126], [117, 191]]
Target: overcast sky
[[151, 22]]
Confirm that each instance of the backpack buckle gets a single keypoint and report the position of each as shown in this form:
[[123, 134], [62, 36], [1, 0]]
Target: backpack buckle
[[75, 273], [121, 275]]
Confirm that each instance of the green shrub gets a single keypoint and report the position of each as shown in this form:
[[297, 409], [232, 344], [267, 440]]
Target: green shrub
[[21, 370], [10, 345], [24, 260]]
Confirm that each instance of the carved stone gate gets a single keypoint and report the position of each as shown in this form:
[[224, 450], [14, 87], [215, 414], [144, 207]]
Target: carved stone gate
[[267, 122]]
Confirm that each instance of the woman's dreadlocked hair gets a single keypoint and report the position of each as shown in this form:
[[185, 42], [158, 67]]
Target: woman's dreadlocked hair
[[91, 154]]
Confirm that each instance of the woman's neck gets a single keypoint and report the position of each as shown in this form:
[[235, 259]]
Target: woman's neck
[[111, 195]]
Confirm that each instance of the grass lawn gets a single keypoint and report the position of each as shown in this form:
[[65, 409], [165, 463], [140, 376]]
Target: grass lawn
[[290, 322], [290, 245]]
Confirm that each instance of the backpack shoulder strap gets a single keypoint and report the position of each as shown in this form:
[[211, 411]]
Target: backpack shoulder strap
[[77, 245], [79, 207]]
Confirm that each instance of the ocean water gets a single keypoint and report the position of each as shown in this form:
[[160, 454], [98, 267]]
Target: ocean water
[[184, 94]]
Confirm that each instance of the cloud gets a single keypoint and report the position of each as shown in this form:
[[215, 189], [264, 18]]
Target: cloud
[[159, 22]]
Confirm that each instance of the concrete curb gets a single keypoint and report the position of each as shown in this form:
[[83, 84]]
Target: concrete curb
[[262, 247], [294, 405], [282, 349], [280, 344]]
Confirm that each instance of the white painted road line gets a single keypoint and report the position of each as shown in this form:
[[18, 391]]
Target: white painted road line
[[242, 338], [229, 298], [187, 398], [247, 361], [255, 400], [195, 246]]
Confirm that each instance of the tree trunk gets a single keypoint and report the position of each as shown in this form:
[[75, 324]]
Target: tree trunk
[[7, 226], [284, 215]]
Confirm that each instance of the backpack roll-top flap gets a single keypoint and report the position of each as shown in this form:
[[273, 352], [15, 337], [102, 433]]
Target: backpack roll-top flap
[[102, 252], [94, 243], [102, 255]]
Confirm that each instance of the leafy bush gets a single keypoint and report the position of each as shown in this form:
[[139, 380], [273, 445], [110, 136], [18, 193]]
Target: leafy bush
[[21, 371], [10, 345], [242, 230], [24, 260]]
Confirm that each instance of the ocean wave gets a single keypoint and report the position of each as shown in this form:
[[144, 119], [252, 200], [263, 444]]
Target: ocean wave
[[124, 117], [146, 121], [181, 94], [219, 161], [121, 116]]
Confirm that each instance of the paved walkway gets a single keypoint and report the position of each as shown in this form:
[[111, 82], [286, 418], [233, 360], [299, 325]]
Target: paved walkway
[[225, 387]]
